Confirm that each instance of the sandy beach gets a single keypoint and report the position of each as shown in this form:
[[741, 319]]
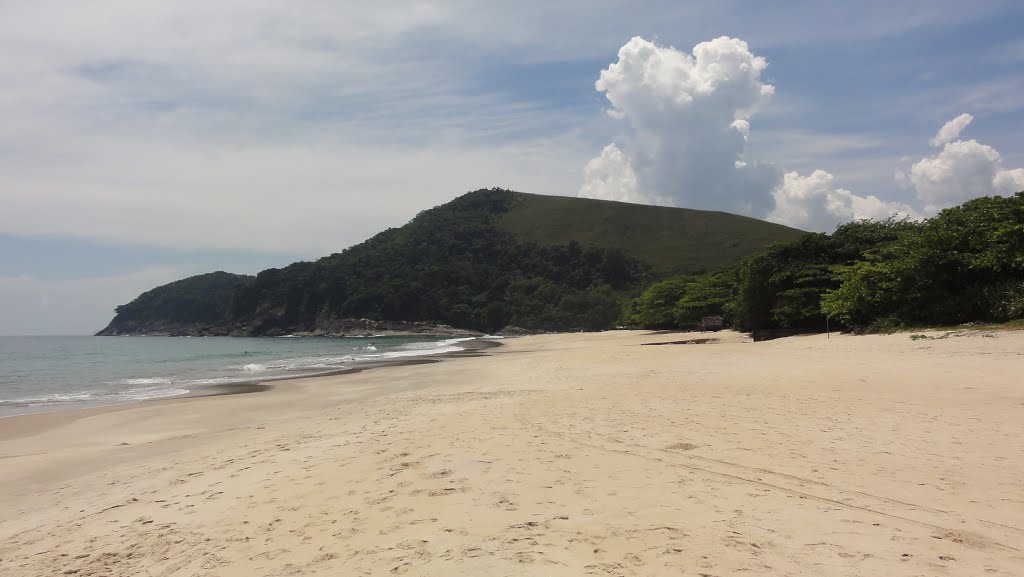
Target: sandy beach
[[581, 454]]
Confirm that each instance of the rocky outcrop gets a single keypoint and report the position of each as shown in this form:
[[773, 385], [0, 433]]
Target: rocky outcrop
[[164, 329]]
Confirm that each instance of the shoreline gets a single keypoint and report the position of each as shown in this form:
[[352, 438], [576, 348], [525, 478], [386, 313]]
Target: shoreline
[[243, 387], [39, 420], [561, 455]]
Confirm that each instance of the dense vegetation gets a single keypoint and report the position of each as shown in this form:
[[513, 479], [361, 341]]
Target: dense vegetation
[[488, 259], [452, 266], [965, 264], [205, 298]]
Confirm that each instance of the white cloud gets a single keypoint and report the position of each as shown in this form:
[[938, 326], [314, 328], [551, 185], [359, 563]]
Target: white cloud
[[611, 177], [689, 116], [78, 306], [251, 124], [741, 126], [1009, 181], [275, 197], [813, 202], [960, 171], [951, 130]]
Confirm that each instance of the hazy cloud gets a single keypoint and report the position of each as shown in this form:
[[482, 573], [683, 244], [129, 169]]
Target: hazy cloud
[[251, 125], [276, 197], [77, 306]]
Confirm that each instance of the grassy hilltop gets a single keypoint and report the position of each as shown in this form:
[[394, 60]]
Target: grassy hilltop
[[670, 240]]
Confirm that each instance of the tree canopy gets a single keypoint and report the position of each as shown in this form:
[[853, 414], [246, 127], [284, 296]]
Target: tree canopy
[[965, 264]]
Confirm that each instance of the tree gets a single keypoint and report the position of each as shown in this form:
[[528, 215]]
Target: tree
[[964, 264]]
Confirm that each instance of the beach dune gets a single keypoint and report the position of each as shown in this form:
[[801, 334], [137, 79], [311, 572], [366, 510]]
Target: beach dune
[[582, 454]]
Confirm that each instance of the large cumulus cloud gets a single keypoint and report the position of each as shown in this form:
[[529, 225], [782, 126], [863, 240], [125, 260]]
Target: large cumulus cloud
[[689, 117]]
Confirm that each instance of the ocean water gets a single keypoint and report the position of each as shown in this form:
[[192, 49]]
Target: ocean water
[[39, 374]]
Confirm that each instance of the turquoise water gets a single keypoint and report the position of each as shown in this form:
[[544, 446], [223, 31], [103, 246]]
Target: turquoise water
[[52, 373]]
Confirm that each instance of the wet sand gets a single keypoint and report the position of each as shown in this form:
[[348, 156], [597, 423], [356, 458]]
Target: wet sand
[[583, 454]]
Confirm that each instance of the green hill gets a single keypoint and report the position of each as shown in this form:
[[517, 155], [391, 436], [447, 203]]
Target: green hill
[[487, 259], [671, 240], [199, 300]]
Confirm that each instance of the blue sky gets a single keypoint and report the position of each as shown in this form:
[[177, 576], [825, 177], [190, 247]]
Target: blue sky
[[144, 142]]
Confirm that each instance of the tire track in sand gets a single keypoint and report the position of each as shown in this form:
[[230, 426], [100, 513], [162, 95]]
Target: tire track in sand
[[672, 459]]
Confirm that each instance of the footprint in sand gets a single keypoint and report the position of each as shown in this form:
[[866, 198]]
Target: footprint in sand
[[446, 491], [399, 569], [506, 503], [410, 544]]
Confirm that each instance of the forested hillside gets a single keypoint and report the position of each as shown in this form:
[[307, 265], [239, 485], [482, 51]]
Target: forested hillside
[[199, 300], [449, 265], [966, 264], [488, 259]]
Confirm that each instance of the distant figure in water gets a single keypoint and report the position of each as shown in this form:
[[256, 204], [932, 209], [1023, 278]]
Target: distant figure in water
[[246, 352]]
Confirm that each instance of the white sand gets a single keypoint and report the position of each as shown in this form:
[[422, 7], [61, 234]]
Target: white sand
[[558, 455]]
